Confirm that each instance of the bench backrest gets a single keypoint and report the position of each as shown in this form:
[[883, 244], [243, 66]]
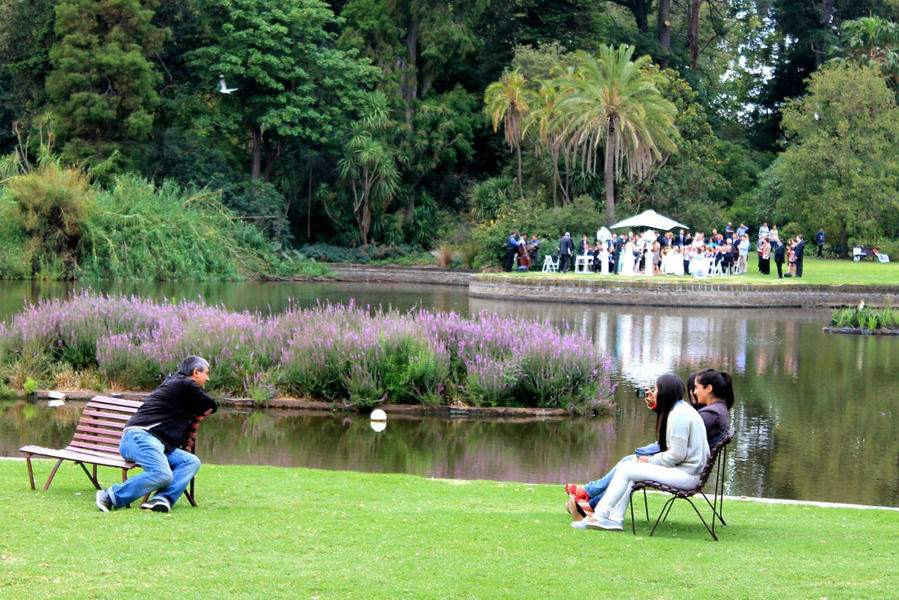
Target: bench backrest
[[102, 423], [103, 420]]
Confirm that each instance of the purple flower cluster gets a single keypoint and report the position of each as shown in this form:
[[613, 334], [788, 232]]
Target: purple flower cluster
[[330, 351]]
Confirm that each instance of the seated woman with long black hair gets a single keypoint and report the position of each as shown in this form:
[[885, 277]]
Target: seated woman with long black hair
[[684, 451], [709, 391]]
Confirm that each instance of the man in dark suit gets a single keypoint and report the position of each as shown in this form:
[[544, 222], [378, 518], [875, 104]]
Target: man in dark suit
[[616, 251], [819, 239], [799, 249], [566, 252], [780, 251]]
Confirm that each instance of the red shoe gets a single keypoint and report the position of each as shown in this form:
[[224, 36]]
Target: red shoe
[[577, 492]]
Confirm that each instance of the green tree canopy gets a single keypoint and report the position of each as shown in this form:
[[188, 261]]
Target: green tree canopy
[[840, 169], [291, 81], [102, 87]]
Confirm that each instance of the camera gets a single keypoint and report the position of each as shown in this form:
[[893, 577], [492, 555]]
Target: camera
[[641, 392]]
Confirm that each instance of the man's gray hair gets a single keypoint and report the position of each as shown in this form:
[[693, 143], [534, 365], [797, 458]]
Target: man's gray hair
[[192, 362]]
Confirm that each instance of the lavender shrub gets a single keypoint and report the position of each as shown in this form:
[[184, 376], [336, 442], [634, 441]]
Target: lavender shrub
[[331, 351]]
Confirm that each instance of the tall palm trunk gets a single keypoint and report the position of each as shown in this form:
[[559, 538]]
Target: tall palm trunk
[[609, 171], [520, 186]]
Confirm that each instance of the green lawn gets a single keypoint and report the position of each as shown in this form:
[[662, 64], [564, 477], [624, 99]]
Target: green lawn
[[815, 271], [268, 532]]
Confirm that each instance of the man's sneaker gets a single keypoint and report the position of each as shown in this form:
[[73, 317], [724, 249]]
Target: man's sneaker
[[157, 504], [104, 502], [606, 524]]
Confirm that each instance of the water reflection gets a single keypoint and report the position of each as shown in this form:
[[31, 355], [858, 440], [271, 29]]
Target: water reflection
[[815, 413]]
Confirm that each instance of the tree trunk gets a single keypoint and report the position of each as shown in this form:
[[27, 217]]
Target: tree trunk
[[520, 185], [844, 240], [365, 222], [827, 10], [640, 10], [256, 168], [664, 31], [609, 174], [693, 32], [309, 206], [410, 77]]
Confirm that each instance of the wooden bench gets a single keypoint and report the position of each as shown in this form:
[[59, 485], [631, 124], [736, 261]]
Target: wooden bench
[[96, 441]]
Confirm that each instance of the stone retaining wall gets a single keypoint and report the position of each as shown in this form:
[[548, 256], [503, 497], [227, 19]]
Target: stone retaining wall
[[390, 274], [713, 294], [645, 292]]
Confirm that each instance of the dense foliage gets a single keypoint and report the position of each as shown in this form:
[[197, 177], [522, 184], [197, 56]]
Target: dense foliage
[[55, 225], [351, 355], [418, 123]]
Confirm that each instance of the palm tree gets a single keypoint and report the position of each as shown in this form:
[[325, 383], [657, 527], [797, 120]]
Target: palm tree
[[543, 118], [506, 100], [614, 102], [369, 164]]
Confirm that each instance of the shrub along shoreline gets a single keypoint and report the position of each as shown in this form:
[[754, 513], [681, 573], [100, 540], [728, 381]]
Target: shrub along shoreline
[[353, 356]]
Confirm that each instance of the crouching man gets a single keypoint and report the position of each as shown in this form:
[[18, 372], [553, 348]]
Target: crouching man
[[152, 437]]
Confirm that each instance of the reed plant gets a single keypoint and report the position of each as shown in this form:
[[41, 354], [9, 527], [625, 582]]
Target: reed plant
[[339, 353], [865, 318]]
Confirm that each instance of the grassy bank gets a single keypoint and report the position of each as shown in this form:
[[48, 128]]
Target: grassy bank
[[296, 533], [815, 272]]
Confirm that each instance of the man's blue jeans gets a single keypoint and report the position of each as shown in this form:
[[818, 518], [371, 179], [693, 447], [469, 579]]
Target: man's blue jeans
[[168, 473]]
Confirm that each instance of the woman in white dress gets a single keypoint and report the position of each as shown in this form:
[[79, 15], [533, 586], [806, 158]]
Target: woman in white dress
[[627, 259]]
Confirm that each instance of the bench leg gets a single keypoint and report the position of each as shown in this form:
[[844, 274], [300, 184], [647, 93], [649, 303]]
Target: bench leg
[[189, 493], [52, 474], [93, 477], [30, 472]]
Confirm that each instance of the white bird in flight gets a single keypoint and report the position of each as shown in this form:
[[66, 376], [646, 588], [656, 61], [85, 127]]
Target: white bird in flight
[[223, 87]]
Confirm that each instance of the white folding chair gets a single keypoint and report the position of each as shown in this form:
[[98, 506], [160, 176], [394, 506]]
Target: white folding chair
[[551, 263]]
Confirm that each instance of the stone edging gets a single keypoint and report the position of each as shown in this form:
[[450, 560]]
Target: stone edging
[[394, 274], [644, 291], [712, 294]]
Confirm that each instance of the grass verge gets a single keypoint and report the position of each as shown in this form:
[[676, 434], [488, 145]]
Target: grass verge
[[298, 533]]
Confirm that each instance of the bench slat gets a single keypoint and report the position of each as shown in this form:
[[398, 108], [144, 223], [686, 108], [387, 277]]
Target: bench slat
[[93, 430], [107, 460], [118, 402], [108, 447], [107, 415], [97, 439]]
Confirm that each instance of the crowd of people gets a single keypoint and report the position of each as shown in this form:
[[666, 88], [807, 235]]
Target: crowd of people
[[688, 422], [684, 253]]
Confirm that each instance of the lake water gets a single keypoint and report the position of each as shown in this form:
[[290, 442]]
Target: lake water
[[815, 414]]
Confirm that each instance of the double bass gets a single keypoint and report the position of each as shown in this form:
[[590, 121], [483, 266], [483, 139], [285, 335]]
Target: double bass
[[524, 259]]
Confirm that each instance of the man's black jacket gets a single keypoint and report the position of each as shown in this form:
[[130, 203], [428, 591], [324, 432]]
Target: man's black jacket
[[172, 405]]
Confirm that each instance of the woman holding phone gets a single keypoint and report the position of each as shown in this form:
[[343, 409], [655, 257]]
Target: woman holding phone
[[684, 451]]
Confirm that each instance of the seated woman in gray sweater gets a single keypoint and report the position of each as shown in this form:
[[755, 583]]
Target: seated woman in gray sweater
[[684, 451], [717, 392]]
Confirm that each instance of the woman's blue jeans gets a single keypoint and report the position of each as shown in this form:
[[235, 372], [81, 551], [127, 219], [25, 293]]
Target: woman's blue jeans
[[596, 489], [167, 474]]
